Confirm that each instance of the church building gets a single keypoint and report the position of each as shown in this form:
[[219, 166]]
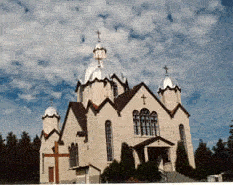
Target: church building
[[106, 114]]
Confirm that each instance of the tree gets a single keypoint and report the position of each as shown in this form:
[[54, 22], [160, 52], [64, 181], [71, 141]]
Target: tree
[[182, 162], [127, 162], [148, 171], [220, 157], [204, 162], [230, 147]]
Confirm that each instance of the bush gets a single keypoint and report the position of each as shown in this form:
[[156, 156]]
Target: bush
[[148, 171], [112, 173]]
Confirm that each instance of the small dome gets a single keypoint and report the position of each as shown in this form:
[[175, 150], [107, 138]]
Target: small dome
[[168, 82], [51, 111]]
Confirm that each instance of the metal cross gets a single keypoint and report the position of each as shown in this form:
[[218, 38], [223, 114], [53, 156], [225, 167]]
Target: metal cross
[[98, 32], [144, 99], [51, 102], [166, 69]]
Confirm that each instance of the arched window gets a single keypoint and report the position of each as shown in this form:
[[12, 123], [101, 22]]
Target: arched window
[[153, 125], [182, 133], [145, 121], [74, 160], [136, 122], [115, 89], [108, 133]]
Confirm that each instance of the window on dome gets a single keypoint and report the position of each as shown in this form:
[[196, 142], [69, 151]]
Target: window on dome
[[73, 150], [108, 134]]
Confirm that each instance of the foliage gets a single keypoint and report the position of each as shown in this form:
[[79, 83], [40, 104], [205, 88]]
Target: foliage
[[125, 171], [182, 161], [127, 163], [220, 157], [148, 171], [19, 159], [204, 162], [112, 173]]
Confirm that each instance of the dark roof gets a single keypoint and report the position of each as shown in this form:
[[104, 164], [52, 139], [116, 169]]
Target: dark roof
[[173, 89], [96, 108], [84, 167], [80, 114], [151, 140], [173, 112], [47, 136], [125, 85], [124, 98]]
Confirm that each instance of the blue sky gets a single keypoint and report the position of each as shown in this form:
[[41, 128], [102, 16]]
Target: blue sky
[[46, 45]]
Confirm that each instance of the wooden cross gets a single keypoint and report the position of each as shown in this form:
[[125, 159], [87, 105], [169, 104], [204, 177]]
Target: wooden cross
[[98, 32], [56, 155], [144, 99]]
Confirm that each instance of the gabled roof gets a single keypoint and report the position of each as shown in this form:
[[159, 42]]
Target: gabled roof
[[151, 140], [96, 108], [173, 112], [80, 114], [47, 136], [122, 100]]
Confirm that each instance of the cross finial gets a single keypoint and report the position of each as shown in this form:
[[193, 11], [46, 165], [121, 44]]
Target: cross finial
[[98, 32], [166, 69], [51, 102]]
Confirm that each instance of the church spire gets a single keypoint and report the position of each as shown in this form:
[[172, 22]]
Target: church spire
[[99, 51]]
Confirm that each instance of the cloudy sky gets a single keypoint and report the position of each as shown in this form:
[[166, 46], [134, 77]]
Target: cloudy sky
[[46, 45]]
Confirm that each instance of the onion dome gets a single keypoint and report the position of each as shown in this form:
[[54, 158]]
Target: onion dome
[[50, 112], [167, 82]]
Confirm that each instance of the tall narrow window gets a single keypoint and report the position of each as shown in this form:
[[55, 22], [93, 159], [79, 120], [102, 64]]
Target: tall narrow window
[[154, 120], [144, 121], [74, 160], [136, 122], [182, 133], [108, 133]]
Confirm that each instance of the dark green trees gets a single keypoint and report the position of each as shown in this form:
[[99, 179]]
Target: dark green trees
[[148, 172], [204, 162], [19, 159], [182, 162], [127, 162]]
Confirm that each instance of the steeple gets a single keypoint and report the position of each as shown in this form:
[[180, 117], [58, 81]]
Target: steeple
[[169, 92]]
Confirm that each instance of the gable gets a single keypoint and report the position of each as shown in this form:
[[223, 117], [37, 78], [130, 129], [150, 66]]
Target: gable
[[154, 140], [77, 113]]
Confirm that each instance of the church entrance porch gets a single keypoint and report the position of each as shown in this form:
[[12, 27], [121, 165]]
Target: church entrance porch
[[155, 149]]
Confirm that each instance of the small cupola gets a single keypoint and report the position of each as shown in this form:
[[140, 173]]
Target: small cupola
[[50, 120], [169, 92], [51, 112]]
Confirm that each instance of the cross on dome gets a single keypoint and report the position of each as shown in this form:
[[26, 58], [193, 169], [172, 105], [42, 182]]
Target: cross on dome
[[166, 69], [98, 32]]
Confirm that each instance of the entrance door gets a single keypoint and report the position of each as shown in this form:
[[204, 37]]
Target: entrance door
[[51, 174], [156, 153]]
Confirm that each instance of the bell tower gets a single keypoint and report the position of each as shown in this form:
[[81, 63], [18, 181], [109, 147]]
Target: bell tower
[[169, 92]]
